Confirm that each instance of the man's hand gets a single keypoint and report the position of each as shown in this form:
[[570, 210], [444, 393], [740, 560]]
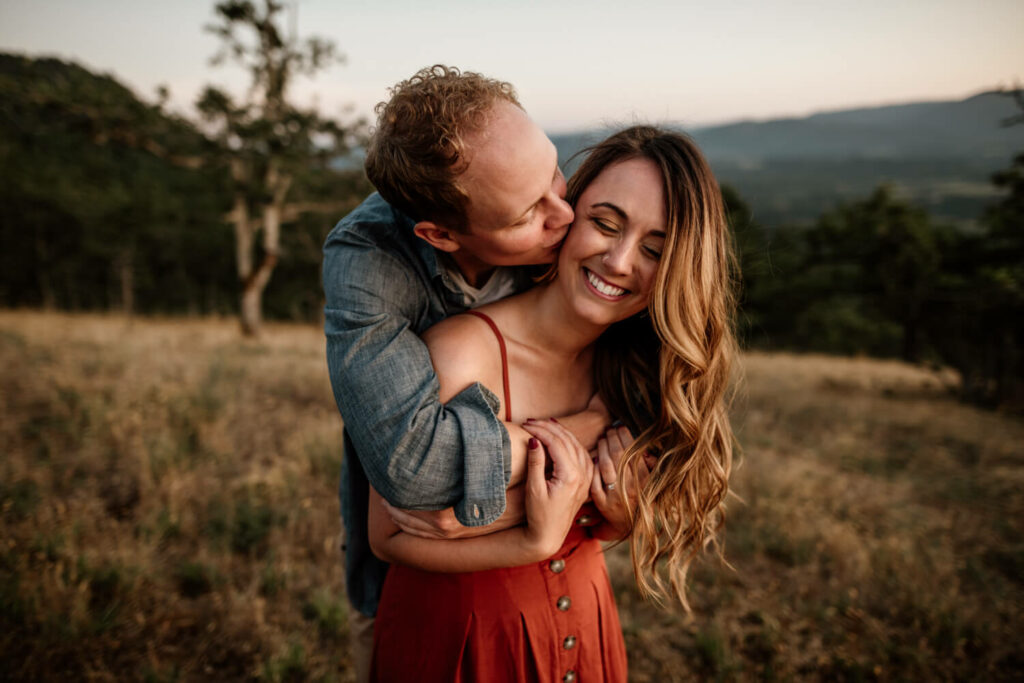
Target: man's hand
[[443, 524]]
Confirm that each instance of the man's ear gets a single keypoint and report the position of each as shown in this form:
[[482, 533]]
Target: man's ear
[[436, 236]]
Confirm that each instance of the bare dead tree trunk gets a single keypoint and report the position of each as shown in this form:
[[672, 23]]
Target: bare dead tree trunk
[[244, 238], [255, 281], [252, 302], [245, 234], [252, 133], [252, 288]]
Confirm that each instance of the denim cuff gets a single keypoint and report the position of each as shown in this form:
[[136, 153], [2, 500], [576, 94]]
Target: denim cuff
[[487, 465]]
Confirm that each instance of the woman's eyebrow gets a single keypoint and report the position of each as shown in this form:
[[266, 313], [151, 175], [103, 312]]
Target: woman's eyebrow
[[613, 207]]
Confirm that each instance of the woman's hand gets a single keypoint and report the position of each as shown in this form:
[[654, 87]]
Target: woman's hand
[[552, 502], [608, 493]]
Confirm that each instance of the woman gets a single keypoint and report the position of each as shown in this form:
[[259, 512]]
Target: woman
[[640, 309]]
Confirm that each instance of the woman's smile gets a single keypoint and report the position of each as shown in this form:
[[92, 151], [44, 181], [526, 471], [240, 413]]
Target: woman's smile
[[602, 287]]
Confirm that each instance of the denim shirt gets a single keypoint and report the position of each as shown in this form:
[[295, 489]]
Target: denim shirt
[[384, 286]]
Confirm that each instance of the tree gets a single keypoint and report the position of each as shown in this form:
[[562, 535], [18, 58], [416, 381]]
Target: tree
[[878, 258], [982, 312], [983, 308], [903, 261], [265, 143], [771, 267]]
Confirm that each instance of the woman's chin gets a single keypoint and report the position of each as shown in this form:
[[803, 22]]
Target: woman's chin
[[603, 315]]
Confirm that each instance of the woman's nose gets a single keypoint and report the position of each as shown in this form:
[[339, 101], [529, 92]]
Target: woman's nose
[[617, 259]]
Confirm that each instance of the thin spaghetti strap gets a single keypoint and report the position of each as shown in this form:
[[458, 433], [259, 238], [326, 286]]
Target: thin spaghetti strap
[[504, 361]]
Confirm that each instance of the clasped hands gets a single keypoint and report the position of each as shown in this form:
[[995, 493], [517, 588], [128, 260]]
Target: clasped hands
[[559, 471], [560, 475]]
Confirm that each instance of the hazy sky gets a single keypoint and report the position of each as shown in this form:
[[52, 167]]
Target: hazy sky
[[575, 64]]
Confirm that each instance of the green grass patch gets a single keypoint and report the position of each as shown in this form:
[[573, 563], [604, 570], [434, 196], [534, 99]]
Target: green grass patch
[[170, 674], [20, 499], [327, 611], [1007, 561], [785, 549], [244, 526], [290, 666], [54, 426], [324, 459], [14, 609], [48, 546], [168, 527], [194, 579], [108, 587], [714, 656], [184, 425], [272, 581], [252, 523], [12, 341]]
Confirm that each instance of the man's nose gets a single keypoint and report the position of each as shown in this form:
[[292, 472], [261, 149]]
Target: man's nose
[[561, 216]]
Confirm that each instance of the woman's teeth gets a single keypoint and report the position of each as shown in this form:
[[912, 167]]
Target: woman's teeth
[[603, 287]]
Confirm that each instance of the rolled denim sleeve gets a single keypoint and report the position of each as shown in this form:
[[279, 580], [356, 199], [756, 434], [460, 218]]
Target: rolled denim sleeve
[[417, 452]]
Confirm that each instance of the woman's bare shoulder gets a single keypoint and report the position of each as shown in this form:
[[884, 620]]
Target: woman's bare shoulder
[[463, 350]]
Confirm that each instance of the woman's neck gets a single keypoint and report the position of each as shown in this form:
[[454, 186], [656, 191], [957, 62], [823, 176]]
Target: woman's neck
[[550, 326]]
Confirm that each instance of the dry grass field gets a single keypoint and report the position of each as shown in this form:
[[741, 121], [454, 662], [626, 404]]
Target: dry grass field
[[168, 512]]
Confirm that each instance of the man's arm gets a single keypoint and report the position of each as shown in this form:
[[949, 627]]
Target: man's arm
[[417, 452]]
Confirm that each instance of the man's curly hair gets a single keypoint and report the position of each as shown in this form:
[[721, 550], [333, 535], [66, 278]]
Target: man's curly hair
[[417, 150]]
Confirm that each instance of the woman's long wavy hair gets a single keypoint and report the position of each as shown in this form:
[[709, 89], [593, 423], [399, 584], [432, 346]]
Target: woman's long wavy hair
[[666, 371]]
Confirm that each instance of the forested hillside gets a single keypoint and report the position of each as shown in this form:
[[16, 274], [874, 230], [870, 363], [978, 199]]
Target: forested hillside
[[111, 202], [105, 204]]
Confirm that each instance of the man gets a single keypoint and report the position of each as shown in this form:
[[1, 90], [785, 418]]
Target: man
[[469, 191]]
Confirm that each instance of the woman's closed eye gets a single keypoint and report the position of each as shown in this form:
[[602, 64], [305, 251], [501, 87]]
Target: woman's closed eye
[[652, 252], [605, 227]]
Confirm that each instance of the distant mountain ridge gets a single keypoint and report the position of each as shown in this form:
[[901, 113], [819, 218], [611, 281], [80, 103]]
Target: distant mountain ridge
[[971, 127], [937, 154]]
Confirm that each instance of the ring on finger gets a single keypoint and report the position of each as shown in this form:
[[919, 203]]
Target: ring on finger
[[610, 486]]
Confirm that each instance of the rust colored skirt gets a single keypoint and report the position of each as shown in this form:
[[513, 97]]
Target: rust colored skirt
[[549, 621]]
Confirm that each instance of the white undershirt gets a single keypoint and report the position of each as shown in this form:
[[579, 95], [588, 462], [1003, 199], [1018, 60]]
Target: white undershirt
[[499, 285]]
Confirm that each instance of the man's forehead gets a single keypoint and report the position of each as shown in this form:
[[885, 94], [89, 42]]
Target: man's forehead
[[508, 173]]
